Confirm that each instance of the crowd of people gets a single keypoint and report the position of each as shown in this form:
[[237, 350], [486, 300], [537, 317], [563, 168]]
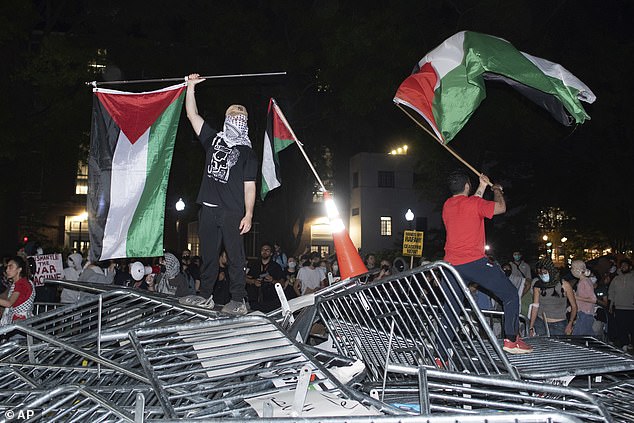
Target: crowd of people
[[581, 299]]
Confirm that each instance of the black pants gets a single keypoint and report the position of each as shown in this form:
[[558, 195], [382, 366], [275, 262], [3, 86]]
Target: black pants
[[624, 326], [217, 226]]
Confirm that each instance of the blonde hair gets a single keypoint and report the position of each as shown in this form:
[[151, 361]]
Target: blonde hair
[[236, 109]]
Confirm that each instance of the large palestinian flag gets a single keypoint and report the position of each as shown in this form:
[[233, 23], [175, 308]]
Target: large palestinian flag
[[447, 85], [131, 145], [277, 137]]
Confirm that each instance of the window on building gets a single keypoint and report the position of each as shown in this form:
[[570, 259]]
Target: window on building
[[323, 250], [386, 226], [386, 179], [355, 180], [355, 211], [81, 182]]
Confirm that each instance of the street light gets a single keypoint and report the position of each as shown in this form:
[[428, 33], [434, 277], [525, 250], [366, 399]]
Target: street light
[[180, 206], [545, 237], [409, 216]]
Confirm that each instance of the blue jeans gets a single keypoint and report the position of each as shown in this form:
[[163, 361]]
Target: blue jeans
[[554, 328], [491, 277], [583, 325]]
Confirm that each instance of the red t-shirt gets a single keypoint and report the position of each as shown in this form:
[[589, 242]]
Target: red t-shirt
[[23, 287], [464, 221]]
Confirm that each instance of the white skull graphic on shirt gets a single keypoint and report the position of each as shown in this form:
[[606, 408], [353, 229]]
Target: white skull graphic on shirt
[[223, 159]]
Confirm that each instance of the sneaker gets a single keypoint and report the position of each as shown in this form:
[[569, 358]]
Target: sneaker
[[239, 308], [517, 347]]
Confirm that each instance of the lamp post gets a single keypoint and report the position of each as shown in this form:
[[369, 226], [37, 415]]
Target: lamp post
[[81, 218], [180, 206], [409, 216]]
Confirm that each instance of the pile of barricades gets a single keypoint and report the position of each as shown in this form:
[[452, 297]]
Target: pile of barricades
[[409, 348]]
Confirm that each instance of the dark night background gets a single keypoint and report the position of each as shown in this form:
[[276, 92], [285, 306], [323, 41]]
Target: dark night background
[[344, 61]]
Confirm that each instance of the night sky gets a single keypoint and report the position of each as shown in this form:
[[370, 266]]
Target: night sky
[[344, 62]]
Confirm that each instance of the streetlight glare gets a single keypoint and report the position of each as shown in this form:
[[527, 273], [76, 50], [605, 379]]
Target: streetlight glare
[[180, 205], [545, 237], [409, 216], [564, 239]]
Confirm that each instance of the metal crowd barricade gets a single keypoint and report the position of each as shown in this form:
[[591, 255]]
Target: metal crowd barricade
[[90, 361], [618, 398], [424, 316], [448, 392]]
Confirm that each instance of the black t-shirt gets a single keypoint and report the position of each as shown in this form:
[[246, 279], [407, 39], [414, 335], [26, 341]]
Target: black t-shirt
[[226, 170], [258, 270]]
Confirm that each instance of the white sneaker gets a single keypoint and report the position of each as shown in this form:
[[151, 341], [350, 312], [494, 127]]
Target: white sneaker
[[235, 307]]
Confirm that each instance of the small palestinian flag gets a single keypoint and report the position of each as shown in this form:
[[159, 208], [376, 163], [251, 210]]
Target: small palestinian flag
[[131, 145], [447, 85], [277, 137]]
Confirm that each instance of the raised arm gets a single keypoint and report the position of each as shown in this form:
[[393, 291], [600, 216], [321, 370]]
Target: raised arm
[[498, 198], [190, 103]]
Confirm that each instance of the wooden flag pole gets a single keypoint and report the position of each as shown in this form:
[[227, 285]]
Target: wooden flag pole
[[299, 144], [182, 79], [434, 136]]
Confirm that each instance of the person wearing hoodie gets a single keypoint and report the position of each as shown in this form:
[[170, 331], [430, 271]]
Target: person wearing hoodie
[[71, 273], [172, 281], [101, 272]]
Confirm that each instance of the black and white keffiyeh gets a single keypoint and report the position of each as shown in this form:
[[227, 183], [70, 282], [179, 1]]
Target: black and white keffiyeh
[[235, 131]]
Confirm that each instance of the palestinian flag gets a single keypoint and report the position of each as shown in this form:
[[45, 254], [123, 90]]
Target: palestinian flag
[[277, 137], [447, 85], [131, 146]]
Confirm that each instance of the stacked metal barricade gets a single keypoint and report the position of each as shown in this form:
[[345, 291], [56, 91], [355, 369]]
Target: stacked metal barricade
[[409, 348]]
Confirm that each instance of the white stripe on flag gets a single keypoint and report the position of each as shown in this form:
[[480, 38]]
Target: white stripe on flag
[[446, 57], [129, 171], [268, 164]]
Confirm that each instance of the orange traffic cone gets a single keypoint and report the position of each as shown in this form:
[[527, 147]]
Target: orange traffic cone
[[350, 262]]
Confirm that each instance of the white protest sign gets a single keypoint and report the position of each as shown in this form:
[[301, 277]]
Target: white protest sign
[[48, 266]]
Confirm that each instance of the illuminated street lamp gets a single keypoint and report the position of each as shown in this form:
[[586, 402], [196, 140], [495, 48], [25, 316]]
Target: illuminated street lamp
[[180, 206], [81, 218], [545, 237]]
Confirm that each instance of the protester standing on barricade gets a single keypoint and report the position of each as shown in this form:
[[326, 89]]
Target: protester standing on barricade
[[463, 216], [227, 196]]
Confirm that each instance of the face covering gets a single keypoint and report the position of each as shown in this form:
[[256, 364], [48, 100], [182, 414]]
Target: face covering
[[291, 265], [613, 269], [593, 279], [545, 278], [517, 257]]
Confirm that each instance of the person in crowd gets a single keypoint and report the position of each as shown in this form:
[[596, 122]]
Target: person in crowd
[[171, 280], [519, 268], [518, 281], [261, 280], [101, 272], [279, 256], [310, 278], [227, 196], [191, 270], [586, 299], [221, 293], [370, 262], [551, 296], [463, 215], [21, 294], [386, 269], [601, 314], [71, 273], [621, 297]]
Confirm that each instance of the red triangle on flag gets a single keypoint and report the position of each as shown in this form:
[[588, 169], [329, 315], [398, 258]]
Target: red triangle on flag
[[135, 113]]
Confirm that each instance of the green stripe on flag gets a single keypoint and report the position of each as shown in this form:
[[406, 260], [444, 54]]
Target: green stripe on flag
[[145, 236]]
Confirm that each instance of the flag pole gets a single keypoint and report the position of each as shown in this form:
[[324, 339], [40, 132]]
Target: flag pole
[[299, 144], [434, 136], [181, 79]]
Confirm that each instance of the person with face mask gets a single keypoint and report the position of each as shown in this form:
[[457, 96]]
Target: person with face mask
[[71, 273], [586, 299], [621, 297], [226, 196], [551, 296], [519, 268]]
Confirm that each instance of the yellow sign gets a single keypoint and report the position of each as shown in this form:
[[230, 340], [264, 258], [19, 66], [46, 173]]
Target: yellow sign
[[413, 243]]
